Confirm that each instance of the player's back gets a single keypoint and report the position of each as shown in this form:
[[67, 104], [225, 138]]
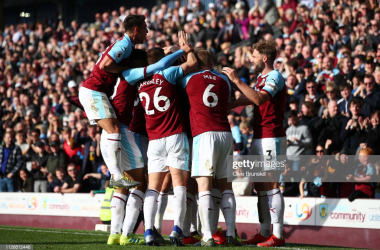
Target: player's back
[[122, 100], [102, 81], [268, 117], [209, 93], [159, 97]]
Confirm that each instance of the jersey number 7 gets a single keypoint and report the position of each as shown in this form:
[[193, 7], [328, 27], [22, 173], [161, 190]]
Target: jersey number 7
[[156, 100]]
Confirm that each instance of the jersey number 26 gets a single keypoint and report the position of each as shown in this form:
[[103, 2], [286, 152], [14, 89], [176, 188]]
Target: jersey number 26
[[156, 100]]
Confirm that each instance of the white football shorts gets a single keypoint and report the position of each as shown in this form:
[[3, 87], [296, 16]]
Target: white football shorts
[[130, 155], [269, 147], [210, 152], [171, 151], [96, 105], [142, 142]]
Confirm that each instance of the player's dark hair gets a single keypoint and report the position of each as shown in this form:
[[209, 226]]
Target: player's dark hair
[[132, 21], [155, 54], [138, 59], [267, 48], [203, 56]]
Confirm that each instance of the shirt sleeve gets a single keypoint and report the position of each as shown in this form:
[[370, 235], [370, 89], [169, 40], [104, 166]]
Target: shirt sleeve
[[369, 170], [182, 82], [171, 74], [236, 134], [132, 76], [164, 63], [120, 50], [274, 84]]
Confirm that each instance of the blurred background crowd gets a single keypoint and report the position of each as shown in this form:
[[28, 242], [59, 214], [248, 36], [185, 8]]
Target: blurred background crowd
[[328, 54]]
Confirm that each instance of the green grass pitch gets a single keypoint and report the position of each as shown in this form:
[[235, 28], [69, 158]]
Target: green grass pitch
[[43, 238]]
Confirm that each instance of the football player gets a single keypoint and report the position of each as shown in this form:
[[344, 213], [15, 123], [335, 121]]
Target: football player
[[269, 99], [168, 144], [209, 93]]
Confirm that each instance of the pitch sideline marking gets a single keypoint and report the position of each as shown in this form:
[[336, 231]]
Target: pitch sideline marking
[[46, 231]]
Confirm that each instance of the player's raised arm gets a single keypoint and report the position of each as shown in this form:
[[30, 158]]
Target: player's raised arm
[[192, 63], [256, 97], [132, 76]]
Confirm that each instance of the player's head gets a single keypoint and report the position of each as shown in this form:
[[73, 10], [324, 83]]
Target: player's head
[[204, 58], [155, 55], [138, 59], [264, 54], [135, 27]]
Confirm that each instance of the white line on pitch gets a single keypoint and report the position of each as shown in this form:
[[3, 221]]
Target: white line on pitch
[[46, 231]]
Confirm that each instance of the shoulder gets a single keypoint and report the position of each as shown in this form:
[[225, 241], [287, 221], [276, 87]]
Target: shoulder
[[275, 77]]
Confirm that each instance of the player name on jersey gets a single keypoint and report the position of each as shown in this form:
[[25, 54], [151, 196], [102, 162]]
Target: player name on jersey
[[153, 81]]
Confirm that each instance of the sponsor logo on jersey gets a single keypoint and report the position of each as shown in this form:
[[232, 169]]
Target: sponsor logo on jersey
[[323, 210], [272, 86]]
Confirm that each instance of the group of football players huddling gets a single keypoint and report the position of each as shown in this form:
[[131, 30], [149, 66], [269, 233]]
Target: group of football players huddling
[[168, 121]]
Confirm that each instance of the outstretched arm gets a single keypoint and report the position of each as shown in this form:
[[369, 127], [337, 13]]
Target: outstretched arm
[[257, 97]]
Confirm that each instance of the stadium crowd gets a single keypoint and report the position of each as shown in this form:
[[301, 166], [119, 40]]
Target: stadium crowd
[[328, 53]]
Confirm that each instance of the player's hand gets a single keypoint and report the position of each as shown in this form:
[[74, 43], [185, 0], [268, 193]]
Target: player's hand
[[187, 48], [10, 175], [231, 74], [183, 38]]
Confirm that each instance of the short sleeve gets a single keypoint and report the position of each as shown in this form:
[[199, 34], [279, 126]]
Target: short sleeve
[[121, 49], [274, 83], [132, 76], [236, 134], [171, 74]]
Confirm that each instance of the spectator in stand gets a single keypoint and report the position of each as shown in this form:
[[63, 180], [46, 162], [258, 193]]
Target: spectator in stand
[[343, 103], [58, 182], [312, 94], [330, 125], [91, 145], [25, 181], [68, 144], [377, 180], [242, 185], [39, 170], [289, 182], [236, 134], [350, 132], [247, 136], [73, 182], [57, 159], [103, 176], [370, 94], [11, 162], [299, 139], [369, 135], [362, 176]]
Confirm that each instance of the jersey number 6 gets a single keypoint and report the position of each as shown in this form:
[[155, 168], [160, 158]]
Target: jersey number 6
[[156, 100], [208, 93]]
